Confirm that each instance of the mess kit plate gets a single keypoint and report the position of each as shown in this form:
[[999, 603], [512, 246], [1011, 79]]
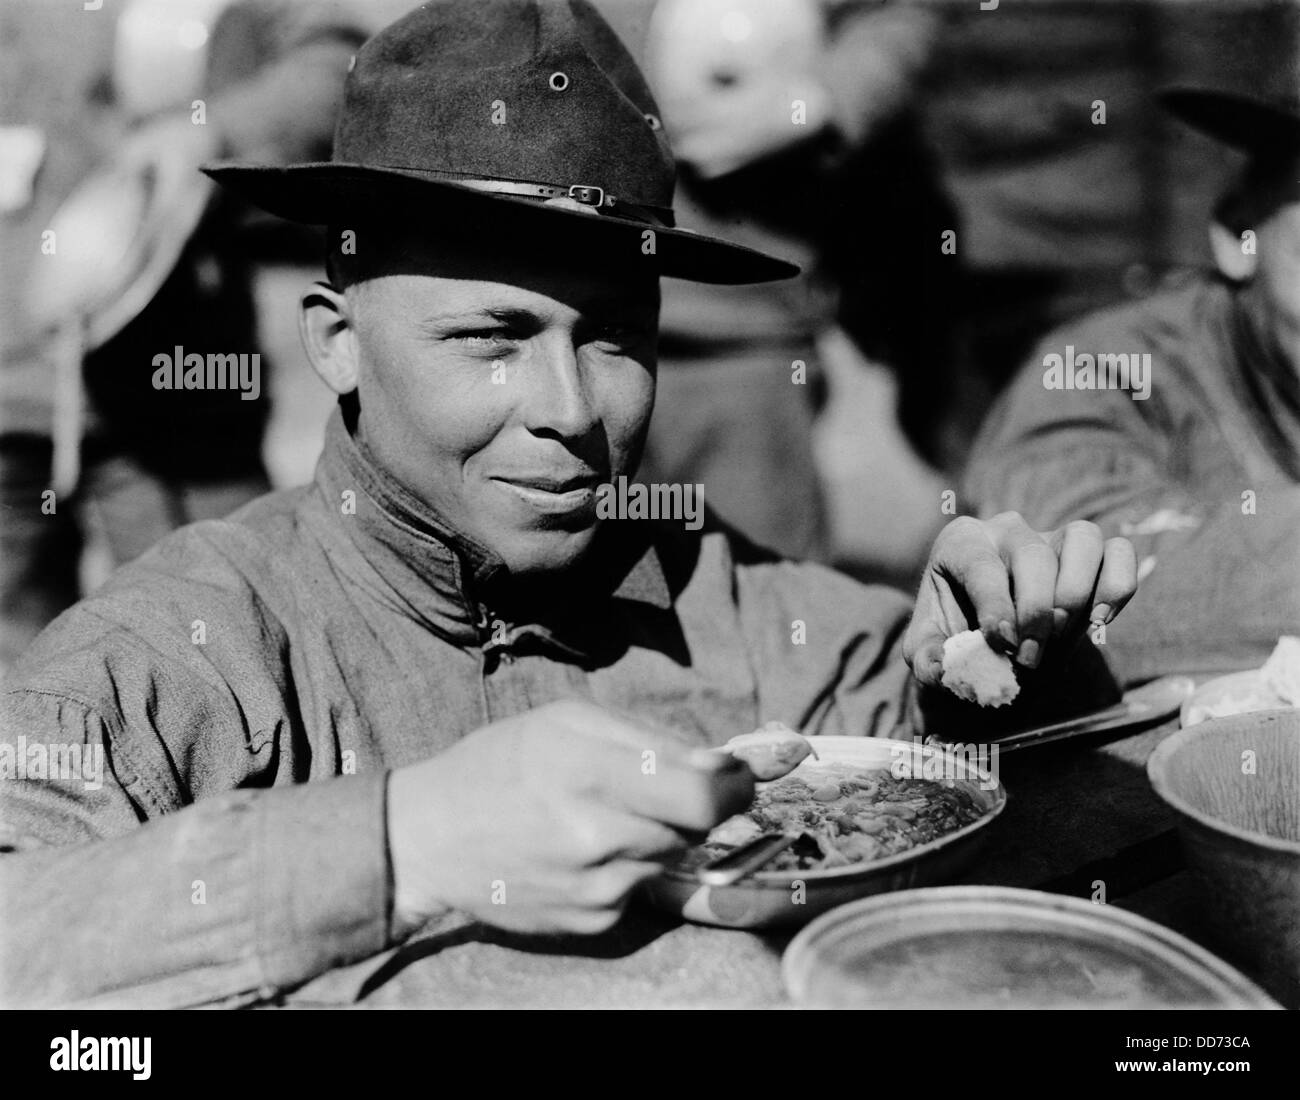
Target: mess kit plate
[[769, 899], [982, 947]]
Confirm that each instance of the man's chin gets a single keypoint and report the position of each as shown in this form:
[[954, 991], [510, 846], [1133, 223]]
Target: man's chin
[[536, 553]]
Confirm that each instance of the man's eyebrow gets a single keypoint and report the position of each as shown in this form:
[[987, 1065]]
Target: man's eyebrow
[[504, 314], [605, 305]]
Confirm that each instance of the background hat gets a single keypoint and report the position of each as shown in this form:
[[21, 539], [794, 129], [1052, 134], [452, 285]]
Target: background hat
[[1264, 127], [466, 109]]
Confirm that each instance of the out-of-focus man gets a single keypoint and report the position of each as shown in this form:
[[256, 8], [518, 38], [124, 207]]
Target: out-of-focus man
[[154, 90], [1176, 421]]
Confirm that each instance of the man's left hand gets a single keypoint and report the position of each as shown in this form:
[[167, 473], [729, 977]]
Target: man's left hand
[[1025, 590]]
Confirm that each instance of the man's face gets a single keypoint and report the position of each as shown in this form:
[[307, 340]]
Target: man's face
[[502, 390]]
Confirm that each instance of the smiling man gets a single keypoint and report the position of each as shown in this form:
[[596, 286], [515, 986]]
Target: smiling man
[[503, 405], [435, 684]]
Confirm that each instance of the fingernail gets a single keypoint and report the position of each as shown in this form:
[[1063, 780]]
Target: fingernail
[[1008, 633], [1101, 613], [1029, 653], [1059, 618], [934, 665]]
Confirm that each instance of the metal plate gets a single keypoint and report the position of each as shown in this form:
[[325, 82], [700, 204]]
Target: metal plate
[[983, 947], [1240, 833], [769, 899]]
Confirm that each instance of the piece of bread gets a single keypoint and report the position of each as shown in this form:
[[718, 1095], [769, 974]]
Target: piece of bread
[[771, 752], [973, 671]]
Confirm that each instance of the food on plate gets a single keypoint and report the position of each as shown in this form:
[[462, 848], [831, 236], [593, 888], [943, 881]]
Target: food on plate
[[1274, 685], [771, 752], [846, 814], [973, 671]]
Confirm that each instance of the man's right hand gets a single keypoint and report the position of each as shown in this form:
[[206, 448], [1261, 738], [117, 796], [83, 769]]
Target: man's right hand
[[546, 822]]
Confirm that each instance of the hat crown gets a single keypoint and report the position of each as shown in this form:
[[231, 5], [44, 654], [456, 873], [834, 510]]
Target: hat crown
[[530, 90]]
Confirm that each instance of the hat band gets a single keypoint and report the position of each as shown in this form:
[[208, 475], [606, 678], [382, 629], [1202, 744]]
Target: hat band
[[595, 198]]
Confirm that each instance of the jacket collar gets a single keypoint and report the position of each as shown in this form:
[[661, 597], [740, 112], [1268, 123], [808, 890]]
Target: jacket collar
[[410, 557]]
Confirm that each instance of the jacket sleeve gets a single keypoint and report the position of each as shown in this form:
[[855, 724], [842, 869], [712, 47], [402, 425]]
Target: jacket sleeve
[[1215, 589], [828, 660], [160, 843], [826, 650], [229, 900]]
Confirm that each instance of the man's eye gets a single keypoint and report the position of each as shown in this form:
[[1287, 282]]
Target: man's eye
[[479, 341]]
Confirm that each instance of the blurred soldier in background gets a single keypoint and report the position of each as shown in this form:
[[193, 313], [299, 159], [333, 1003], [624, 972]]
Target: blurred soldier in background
[[141, 260], [793, 129], [1076, 191], [1203, 471]]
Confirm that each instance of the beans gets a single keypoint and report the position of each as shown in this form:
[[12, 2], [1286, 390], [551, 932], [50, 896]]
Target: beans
[[851, 813]]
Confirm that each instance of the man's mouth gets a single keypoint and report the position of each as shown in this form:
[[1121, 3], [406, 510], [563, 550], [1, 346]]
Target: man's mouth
[[553, 493]]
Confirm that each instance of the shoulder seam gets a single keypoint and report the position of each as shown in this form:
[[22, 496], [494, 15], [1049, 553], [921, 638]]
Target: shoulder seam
[[112, 730]]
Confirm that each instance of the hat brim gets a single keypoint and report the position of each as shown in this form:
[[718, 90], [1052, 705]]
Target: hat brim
[[1252, 125], [333, 194]]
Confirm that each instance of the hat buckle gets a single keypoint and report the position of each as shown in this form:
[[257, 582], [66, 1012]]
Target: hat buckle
[[588, 194]]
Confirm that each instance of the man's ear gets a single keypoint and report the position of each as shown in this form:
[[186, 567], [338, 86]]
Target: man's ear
[[325, 325], [1234, 254]]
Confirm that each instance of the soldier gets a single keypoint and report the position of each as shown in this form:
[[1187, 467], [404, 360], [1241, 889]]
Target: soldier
[[359, 704]]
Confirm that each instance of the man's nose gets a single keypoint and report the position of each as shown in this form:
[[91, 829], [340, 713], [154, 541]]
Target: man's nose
[[559, 402]]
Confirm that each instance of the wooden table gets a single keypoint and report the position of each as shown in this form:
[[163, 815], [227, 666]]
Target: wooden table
[[1080, 819]]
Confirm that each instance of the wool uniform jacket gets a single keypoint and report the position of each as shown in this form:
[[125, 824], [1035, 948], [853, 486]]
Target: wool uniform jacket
[[193, 761], [249, 682]]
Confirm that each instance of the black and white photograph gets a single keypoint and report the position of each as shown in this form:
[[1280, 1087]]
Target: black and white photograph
[[651, 505]]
